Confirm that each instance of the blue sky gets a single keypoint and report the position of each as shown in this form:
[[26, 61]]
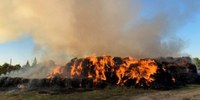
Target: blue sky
[[19, 50], [190, 33]]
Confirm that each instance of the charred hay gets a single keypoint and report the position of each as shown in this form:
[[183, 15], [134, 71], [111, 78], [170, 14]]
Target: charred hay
[[171, 73]]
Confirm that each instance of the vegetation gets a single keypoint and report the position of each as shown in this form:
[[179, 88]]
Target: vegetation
[[110, 93], [5, 68], [34, 62], [190, 92], [8, 68], [197, 61]]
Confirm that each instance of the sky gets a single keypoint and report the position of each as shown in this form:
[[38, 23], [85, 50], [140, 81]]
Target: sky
[[22, 49], [19, 51], [190, 33]]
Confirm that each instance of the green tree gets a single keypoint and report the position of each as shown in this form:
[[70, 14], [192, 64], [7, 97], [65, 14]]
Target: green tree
[[8, 68], [197, 61]]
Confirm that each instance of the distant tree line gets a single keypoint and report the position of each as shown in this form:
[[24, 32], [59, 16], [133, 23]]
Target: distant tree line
[[33, 64], [8, 68]]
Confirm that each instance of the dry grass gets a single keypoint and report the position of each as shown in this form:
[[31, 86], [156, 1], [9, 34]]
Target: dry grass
[[109, 93]]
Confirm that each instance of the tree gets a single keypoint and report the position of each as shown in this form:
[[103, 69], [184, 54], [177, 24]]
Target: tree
[[8, 68], [27, 64], [34, 62], [197, 61], [16, 67]]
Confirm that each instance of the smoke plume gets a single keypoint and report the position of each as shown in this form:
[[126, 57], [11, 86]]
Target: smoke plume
[[85, 27]]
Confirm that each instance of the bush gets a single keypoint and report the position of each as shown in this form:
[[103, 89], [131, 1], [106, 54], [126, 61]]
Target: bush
[[8, 68], [197, 61]]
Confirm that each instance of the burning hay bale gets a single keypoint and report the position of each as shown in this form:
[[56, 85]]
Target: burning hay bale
[[146, 73], [7, 83], [98, 72], [182, 69]]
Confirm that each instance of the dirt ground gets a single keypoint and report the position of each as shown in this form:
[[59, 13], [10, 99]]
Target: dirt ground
[[189, 93]]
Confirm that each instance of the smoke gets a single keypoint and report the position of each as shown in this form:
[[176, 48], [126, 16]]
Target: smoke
[[41, 70], [85, 27]]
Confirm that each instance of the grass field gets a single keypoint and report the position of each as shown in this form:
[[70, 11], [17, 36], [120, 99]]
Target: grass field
[[191, 92]]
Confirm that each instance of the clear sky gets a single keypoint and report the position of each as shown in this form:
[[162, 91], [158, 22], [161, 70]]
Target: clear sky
[[191, 34], [19, 50], [22, 49]]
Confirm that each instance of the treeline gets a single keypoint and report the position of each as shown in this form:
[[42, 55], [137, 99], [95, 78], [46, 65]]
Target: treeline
[[5, 68]]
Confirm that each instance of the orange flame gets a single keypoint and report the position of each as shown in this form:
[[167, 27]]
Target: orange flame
[[97, 68], [55, 72]]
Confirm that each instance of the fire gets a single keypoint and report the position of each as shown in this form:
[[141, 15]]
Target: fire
[[101, 68], [56, 72], [76, 70], [136, 69]]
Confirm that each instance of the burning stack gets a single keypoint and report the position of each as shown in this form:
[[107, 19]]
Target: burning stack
[[7, 83], [88, 72], [175, 72], [156, 73]]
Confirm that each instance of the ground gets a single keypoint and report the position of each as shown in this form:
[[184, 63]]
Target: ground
[[191, 92]]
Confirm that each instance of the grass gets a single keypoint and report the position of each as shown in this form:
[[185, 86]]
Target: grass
[[109, 93]]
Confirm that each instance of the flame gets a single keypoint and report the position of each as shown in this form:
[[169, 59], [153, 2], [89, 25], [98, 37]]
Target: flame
[[100, 68], [76, 70], [56, 72], [136, 69]]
